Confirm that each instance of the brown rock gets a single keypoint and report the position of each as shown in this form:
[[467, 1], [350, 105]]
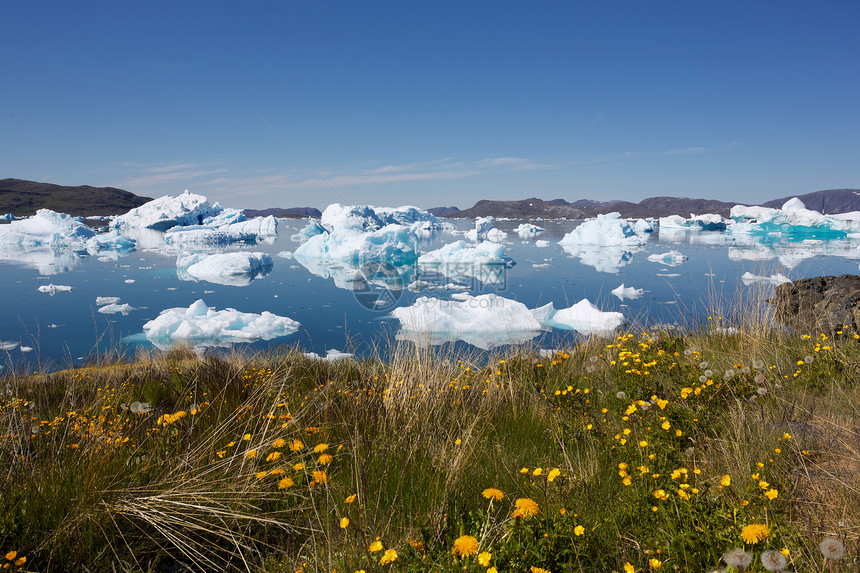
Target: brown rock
[[819, 304]]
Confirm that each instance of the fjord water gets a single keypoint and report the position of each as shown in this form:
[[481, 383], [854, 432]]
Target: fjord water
[[349, 308]]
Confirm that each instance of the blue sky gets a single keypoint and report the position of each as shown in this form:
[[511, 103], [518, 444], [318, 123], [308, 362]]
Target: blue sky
[[433, 103]]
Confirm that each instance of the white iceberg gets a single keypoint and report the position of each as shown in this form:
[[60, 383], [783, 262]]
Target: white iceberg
[[53, 289], [623, 292], [201, 236], [124, 309], [102, 300], [706, 222], [606, 242], [541, 243], [483, 225], [166, 212], [586, 318], [483, 321], [748, 278], [312, 229], [331, 355], [110, 241], [527, 230], [46, 228], [231, 269], [794, 221], [203, 326], [670, 259], [458, 260]]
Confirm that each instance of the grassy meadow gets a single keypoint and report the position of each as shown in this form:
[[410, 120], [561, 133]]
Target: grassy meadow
[[654, 450]]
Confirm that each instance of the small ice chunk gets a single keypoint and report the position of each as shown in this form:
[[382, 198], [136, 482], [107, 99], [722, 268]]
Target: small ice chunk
[[629, 292], [8, 345], [331, 355], [124, 308], [231, 269], [286, 254], [748, 278], [129, 281], [527, 230], [496, 235], [26, 349], [670, 259], [541, 243], [102, 300], [53, 289]]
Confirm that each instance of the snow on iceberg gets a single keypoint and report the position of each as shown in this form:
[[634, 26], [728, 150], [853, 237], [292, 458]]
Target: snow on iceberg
[[527, 230], [586, 318], [110, 241], [623, 292], [203, 326], [102, 300], [706, 222], [748, 278], [312, 229], [483, 321], [53, 289], [483, 225], [606, 242], [331, 355], [461, 260], [167, 211], [231, 269], [670, 259]]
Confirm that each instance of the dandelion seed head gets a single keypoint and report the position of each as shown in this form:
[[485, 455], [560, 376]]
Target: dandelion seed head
[[773, 560], [737, 558], [832, 548]]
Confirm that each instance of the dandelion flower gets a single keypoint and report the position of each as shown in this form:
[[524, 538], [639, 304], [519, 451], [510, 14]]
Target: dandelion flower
[[296, 445], [375, 546], [484, 558], [350, 499], [554, 473], [20, 561], [832, 548], [579, 530], [465, 546], [493, 493], [525, 507], [628, 568], [737, 558], [771, 494], [320, 448], [655, 563], [726, 480], [279, 443], [390, 556], [11, 555], [537, 471], [319, 476], [251, 454], [298, 467], [538, 570], [285, 483], [773, 560], [273, 456], [325, 459], [754, 532], [344, 523]]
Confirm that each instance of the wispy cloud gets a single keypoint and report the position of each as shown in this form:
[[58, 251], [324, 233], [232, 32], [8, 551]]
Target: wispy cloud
[[155, 176]]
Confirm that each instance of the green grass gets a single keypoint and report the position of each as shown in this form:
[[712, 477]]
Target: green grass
[[621, 443]]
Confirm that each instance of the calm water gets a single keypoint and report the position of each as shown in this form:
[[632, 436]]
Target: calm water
[[337, 306]]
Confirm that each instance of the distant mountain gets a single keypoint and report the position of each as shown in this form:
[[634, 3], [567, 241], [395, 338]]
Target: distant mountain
[[558, 208], [290, 212], [444, 211], [525, 208], [829, 201], [21, 197]]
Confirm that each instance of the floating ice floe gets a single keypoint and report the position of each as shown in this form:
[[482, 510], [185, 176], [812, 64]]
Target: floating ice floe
[[165, 212], [103, 300], [707, 222], [331, 355], [110, 241], [114, 308], [623, 292], [461, 260], [606, 242], [286, 254], [793, 222], [541, 243], [748, 278], [483, 225], [231, 269], [670, 259], [586, 318], [53, 289], [8, 345], [527, 230], [483, 321], [203, 326]]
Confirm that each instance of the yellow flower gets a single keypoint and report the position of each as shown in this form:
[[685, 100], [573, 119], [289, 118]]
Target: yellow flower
[[296, 445], [389, 557], [537, 472], [493, 493], [11, 555], [247, 437], [344, 523], [538, 570], [525, 507], [273, 456], [320, 448], [655, 563], [579, 530], [285, 483], [350, 499], [771, 494], [484, 558], [492, 570], [319, 476], [20, 561], [726, 480], [666, 425], [262, 474], [643, 444], [279, 443], [325, 459], [251, 454], [628, 568], [754, 532], [298, 467], [524, 471], [554, 473], [661, 494], [376, 546], [465, 546]]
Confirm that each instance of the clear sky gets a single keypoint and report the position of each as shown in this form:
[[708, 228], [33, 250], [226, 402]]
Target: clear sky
[[300, 103]]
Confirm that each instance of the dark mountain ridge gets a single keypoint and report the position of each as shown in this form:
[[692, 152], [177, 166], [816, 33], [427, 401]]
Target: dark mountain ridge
[[21, 198]]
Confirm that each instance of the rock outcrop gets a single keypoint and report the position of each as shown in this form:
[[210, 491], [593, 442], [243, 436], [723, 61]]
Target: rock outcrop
[[823, 304]]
